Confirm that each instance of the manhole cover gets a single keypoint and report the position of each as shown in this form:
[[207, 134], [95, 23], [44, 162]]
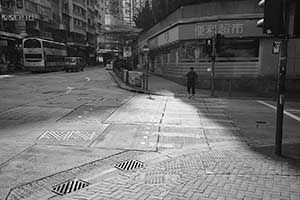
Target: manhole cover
[[69, 186], [129, 165]]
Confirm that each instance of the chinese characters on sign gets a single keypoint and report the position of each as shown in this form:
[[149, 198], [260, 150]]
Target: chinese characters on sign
[[222, 28], [17, 17]]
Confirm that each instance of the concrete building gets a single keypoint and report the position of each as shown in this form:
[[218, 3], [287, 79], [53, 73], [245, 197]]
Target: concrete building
[[21, 18], [130, 10], [75, 22], [113, 12], [246, 59], [100, 22]]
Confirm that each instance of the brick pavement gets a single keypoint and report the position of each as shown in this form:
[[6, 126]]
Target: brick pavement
[[214, 174]]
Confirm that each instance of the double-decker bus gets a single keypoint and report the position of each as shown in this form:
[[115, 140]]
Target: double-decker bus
[[42, 55]]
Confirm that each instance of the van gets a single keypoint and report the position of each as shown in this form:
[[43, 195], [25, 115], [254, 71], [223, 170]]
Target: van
[[74, 64]]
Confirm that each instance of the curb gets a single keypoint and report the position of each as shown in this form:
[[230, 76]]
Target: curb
[[123, 85]]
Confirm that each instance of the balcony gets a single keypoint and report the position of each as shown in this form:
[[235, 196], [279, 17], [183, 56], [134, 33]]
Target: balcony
[[79, 29], [91, 29]]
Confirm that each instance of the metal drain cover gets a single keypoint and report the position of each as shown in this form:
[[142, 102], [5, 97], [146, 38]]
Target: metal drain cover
[[69, 186], [129, 165]]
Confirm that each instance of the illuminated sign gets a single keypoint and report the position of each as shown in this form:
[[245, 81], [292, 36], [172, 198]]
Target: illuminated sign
[[18, 17], [276, 47]]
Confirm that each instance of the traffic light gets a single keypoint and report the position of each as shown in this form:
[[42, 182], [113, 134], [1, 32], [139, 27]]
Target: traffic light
[[297, 20], [209, 46], [272, 23]]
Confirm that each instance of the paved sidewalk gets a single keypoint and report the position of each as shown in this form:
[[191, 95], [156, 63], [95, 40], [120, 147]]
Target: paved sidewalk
[[161, 86]]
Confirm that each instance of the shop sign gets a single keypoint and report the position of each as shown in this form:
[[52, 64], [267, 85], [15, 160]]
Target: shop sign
[[276, 47], [127, 52], [221, 28], [18, 17]]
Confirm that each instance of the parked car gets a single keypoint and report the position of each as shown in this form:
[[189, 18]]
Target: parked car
[[74, 64]]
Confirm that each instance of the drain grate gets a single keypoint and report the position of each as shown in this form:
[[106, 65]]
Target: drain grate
[[69, 186], [129, 165]]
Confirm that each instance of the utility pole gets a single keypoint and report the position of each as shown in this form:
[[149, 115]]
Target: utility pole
[[146, 50], [213, 63], [276, 23], [281, 81]]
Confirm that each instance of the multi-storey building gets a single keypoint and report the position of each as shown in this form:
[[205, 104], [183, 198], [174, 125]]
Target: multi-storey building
[[130, 9], [127, 12], [100, 21], [113, 12], [75, 22]]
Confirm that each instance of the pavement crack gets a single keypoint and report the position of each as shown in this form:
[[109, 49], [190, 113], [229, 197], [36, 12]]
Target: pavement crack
[[71, 112], [11, 158]]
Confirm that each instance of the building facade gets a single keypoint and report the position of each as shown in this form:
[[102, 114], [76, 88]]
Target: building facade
[[77, 23], [245, 55]]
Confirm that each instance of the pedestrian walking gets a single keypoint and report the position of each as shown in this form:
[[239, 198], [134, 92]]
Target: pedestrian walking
[[191, 82]]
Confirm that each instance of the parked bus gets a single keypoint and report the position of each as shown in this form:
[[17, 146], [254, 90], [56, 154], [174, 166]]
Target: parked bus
[[42, 55]]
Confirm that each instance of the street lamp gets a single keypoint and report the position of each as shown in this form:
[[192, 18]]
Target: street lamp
[[146, 50]]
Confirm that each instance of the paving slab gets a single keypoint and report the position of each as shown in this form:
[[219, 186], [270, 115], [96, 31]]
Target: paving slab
[[129, 137]]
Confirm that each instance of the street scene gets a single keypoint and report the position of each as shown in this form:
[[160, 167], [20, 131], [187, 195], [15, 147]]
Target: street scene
[[149, 99], [61, 126]]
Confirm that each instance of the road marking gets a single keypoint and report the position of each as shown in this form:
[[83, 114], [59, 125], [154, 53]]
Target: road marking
[[285, 112], [177, 134], [68, 135], [6, 76], [69, 89]]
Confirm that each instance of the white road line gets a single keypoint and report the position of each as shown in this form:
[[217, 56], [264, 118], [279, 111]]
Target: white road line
[[6, 76], [285, 112]]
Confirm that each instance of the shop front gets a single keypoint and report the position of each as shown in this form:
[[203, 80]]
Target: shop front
[[183, 46], [245, 57], [10, 52]]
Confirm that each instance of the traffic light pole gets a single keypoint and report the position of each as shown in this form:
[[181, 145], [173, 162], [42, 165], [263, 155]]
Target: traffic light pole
[[147, 75], [212, 73], [281, 83]]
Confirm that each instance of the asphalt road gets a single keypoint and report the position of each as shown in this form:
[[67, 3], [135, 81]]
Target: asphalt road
[[48, 120]]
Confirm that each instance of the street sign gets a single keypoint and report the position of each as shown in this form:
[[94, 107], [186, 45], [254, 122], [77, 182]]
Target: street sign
[[18, 17], [127, 52], [276, 47]]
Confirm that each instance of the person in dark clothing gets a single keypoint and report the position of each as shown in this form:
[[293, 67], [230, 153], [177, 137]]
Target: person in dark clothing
[[191, 82]]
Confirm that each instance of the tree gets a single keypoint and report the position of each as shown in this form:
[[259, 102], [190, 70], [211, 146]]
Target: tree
[[144, 19], [159, 10]]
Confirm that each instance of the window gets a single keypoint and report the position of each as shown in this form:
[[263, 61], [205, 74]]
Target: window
[[51, 45], [187, 51], [173, 56], [55, 58], [238, 48], [33, 56], [32, 43]]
